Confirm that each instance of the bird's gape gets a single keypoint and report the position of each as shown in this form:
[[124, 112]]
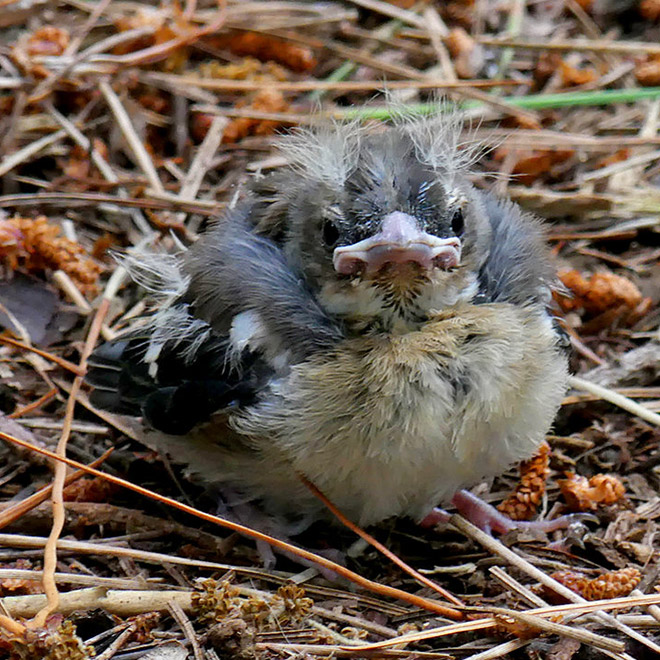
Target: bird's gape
[[399, 245]]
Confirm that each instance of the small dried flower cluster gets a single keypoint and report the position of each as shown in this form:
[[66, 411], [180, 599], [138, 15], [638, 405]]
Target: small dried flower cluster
[[614, 584], [36, 244], [267, 100], [143, 625], [523, 503], [215, 603], [60, 643], [248, 68], [582, 494], [266, 48], [289, 604]]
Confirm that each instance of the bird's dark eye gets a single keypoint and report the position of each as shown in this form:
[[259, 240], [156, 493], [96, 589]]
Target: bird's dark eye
[[330, 233], [458, 223]]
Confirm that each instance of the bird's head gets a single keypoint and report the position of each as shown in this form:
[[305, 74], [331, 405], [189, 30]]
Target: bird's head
[[382, 222]]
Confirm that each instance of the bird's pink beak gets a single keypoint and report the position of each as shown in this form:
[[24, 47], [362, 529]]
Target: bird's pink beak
[[399, 241]]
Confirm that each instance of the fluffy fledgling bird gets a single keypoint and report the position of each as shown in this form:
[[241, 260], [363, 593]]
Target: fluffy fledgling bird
[[364, 317]]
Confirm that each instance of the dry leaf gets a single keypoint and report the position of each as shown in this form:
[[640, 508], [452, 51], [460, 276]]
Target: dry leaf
[[200, 123], [546, 65], [28, 305], [102, 244], [166, 28], [521, 121], [564, 649], [458, 12], [79, 168], [617, 157], [605, 298], [467, 54], [48, 40], [90, 490], [155, 102], [508, 626], [19, 586], [602, 291], [650, 10], [572, 76], [647, 71], [531, 167]]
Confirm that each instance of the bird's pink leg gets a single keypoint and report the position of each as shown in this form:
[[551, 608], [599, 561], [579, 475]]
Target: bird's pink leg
[[489, 519]]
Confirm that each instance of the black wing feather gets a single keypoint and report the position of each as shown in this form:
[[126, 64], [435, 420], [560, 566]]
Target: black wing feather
[[185, 390]]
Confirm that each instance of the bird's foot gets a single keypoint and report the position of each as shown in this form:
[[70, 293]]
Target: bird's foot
[[489, 519]]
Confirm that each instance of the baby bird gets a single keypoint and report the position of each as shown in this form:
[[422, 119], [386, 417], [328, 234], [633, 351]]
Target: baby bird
[[364, 317]]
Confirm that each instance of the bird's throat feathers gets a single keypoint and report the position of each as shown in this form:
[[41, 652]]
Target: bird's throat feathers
[[394, 304]]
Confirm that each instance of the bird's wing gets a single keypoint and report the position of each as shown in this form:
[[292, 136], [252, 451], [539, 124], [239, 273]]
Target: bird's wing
[[233, 270], [233, 315], [518, 269], [173, 384]]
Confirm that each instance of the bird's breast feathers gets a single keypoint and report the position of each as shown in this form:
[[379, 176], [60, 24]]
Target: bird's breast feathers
[[424, 412]]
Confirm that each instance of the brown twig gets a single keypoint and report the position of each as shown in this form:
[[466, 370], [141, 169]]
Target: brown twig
[[57, 495], [379, 546], [34, 405], [65, 364], [172, 203], [19, 509], [219, 85]]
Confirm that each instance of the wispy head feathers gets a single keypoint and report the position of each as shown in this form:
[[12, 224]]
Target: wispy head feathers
[[328, 153], [331, 152], [440, 138]]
